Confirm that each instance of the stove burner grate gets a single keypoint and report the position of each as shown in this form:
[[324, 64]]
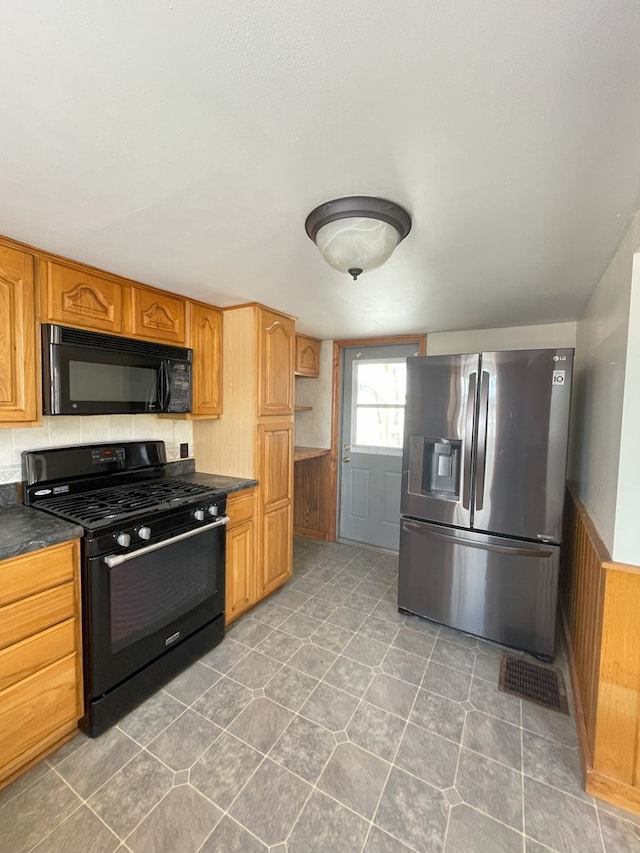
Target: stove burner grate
[[119, 502]]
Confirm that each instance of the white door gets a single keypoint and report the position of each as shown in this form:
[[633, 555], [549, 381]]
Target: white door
[[373, 400]]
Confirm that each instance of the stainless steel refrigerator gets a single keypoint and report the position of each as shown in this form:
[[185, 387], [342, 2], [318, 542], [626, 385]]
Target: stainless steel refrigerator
[[483, 480]]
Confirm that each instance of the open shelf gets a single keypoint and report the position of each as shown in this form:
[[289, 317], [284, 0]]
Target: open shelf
[[302, 453]]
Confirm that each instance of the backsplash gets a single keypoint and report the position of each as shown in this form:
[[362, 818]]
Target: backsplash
[[60, 431]]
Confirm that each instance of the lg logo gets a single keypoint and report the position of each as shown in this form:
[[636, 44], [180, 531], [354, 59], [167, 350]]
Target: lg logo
[[559, 358]]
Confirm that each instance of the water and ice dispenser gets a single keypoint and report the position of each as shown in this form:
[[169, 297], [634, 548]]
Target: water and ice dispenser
[[434, 467]]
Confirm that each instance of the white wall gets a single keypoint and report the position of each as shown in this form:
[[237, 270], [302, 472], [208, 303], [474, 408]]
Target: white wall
[[626, 540], [599, 388], [514, 337], [60, 431], [313, 429]]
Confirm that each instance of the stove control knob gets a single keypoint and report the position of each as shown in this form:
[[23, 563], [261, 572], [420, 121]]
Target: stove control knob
[[144, 533], [199, 515], [123, 539], [213, 510]]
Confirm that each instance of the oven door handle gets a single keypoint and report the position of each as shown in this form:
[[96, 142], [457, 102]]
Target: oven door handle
[[118, 559]]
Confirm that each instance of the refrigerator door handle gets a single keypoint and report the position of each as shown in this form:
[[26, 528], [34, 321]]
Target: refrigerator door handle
[[468, 442], [482, 438], [482, 546]]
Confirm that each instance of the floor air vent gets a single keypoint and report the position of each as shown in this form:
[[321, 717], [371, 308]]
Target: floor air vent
[[541, 684]]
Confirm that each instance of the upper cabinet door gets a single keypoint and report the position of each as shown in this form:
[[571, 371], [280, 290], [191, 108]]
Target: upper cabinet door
[[18, 369], [157, 316], [307, 356], [275, 375], [75, 298], [206, 340]]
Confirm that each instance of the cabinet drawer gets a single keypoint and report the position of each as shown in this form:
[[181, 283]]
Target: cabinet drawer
[[36, 571], [35, 708], [77, 298], [241, 506], [35, 613], [22, 659]]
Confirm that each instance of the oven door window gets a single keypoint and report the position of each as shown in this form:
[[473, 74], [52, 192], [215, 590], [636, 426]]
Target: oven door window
[[152, 591]]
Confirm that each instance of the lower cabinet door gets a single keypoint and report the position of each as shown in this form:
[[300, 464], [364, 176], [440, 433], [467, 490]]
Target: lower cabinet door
[[277, 543], [240, 574], [36, 712]]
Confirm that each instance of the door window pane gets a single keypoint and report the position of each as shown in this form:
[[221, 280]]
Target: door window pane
[[377, 418], [380, 382]]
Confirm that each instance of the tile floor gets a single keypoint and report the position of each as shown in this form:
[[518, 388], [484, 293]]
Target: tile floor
[[325, 721]]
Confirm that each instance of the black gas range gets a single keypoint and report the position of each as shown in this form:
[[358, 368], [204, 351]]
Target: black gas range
[[153, 555]]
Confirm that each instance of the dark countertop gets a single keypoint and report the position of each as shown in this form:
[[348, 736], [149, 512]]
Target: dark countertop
[[23, 529], [186, 470], [218, 481]]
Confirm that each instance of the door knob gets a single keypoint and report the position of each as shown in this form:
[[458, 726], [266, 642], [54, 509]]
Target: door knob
[[346, 459]]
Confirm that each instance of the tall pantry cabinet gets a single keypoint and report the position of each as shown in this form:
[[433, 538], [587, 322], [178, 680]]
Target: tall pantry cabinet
[[254, 437]]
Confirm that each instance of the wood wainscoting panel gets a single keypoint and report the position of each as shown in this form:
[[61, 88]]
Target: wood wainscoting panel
[[601, 613], [583, 584], [616, 750]]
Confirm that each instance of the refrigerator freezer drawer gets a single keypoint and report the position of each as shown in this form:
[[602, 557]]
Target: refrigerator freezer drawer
[[500, 589]]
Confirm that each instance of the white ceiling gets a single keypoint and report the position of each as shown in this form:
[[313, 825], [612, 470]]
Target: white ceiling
[[183, 143]]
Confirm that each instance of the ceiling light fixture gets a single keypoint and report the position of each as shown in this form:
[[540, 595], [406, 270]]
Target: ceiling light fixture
[[357, 233]]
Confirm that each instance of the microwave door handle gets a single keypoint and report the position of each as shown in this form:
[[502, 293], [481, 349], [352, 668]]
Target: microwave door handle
[[163, 387]]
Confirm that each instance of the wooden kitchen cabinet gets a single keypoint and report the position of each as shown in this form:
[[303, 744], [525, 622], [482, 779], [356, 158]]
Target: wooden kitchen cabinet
[[277, 549], [276, 458], [254, 438], [307, 356], [240, 575], [276, 355], [40, 654], [89, 299], [206, 341], [276, 478], [156, 315], [72, 296], [18, 345]]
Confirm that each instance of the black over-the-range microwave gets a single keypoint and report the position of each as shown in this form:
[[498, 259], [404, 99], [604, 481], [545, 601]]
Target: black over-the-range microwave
[[90, 373]]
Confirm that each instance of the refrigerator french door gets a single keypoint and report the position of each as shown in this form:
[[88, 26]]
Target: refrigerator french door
[[484, 467]]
